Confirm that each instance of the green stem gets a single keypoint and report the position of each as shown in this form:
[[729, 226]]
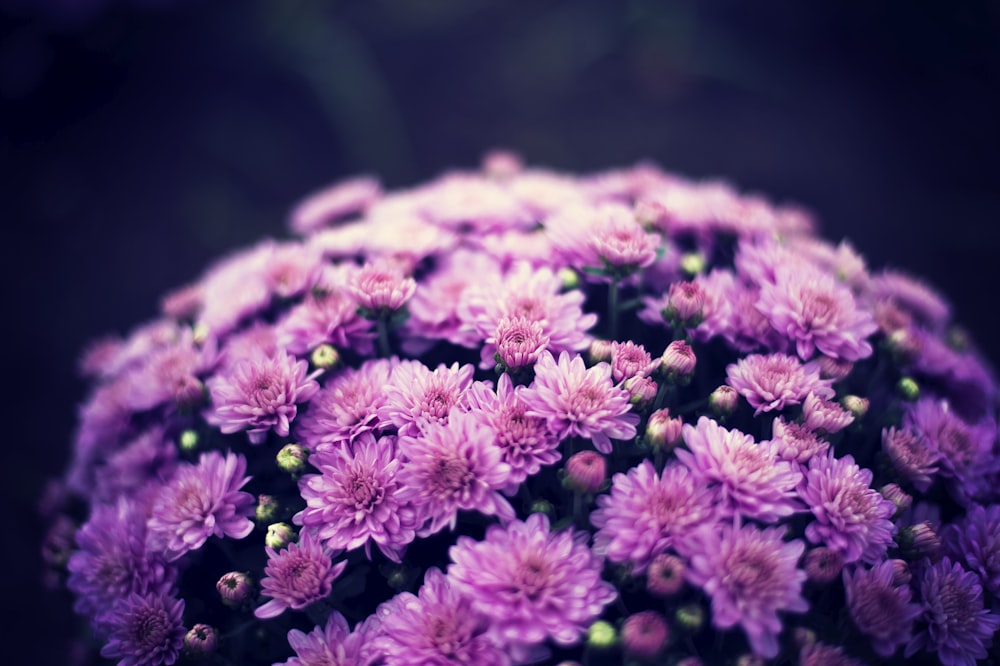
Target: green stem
[[613, 309], [382, 324]]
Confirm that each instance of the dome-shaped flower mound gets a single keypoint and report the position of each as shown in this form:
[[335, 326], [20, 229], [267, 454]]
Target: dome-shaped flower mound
[[616, 409]]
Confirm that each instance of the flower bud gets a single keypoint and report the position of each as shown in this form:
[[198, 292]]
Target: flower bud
[[690, 617], [188, 392], [650, 214], [677, 362], [601, 635], [267, 509], [292, 458], [188, 440], [645, 634], [235, 588], [586, 472], [685, 305], [904, 345], [723, 400], [693, 263], [570, 278], [600, 351], [823, 565], [641, 390], [804, 637], [901, 574], [279, 535], [665, 576], [856, 405], [897, 496], [502, 164], [542, 505], [325, 356], [908, 388], [920, 540], [201, 641], [662, 430], [834, 368]]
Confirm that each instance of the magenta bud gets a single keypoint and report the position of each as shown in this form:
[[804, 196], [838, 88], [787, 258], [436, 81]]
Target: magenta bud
[[645, 634], [235, 588], [665, 576], [678, 361], [662, 430], [641, 390], [723, 400], [586, 472], [823, 565], [201, 641], [600, 351]]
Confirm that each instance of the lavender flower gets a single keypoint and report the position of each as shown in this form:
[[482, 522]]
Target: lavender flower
[[145, 630], [775, 381], [580, 401], [751, 575], [260, 394], [297, 576], [417, 397], [911, 456], [879, 608], [530, 582], [200, 501], [647, 512], [381, 287], [343, 199], [333, 644], [956, 625], [975, 542]]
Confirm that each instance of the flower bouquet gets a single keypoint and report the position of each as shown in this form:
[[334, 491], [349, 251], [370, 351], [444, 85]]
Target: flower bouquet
[[515, 416]]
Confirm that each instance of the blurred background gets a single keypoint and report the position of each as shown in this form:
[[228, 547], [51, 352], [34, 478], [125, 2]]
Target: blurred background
[[141, 139]]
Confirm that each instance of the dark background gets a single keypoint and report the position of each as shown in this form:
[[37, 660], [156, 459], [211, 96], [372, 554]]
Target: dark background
[[138, 141]]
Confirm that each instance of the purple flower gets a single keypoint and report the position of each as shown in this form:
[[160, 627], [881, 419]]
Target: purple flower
[[200, 501], [607, 235], [145, 630], [821, 654], [530, 582], [381, 287], [975, 542], [518, 341], [340, 200], [752, 480], [824, 416], [112, 560], [453, 466], [297, 576], [966, 450], [526, 443], [795, 442], [260, 394], [775, 381], [355, 499], [879, 608], [333, 644], [128, 470], [647, 512], [346, 407], [630, 360], [850, 516], [810, 308], [914, 296], [750, 575], [911, 456], [439, 626], [170, 374], [328, 315], [417, 397], [957, 626], [580, 401]]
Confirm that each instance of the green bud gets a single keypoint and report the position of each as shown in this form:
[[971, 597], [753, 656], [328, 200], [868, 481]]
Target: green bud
[[267, 509], [601, 635], [569, 277], [856, 405], [542, 505], [690, 617], [279, 535], [908, 388], [693, 263], [325, 356], [188, 440], [292, 458]]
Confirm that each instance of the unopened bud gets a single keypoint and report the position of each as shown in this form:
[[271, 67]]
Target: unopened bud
[[292, 458], [804, 637], [685, 305], [641, 390], [601, 635], [901, 574], [502, 164], [665, 576], [920, 540], [201, 641], [188, 440], [908, 388], [645, 634], [722, 400], [267, 509], [600, 351], [898, 496], [823, 565], [235, 588], [856, 405], [650, 214], [662, 430], [279, 535], [690, 617], [904, 345], [542, 505], [325, 356], [677, 362], [586, 472], [693, 263], [834, 368], [570, 278]]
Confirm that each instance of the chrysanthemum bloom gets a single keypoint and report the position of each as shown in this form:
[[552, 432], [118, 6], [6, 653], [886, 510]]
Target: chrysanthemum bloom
[[750, 575], [795, 442], [341, 200], [297, 576], [170, 374], [346, 406], [526, 443], [752, 480], [630, 360], [355, 499], [911, 455], [417, 397], [774, 381], [605, 236], [437, 626], [532, 583], [519, 341], [127, 471], [955, 623], [912, 295], [580, 401], [965, 449], [260, 394], [328, 315], [811, 309], [975, 542], [452, 466], [879, 608], [333, 644], [112, 560], [381, 287], [850, 516], [824, 416], [200, 501], [145, 630], [823, 564], [646, 513]]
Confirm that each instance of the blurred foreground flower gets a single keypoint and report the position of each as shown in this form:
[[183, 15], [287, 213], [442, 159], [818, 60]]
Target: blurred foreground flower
[[516, 416]]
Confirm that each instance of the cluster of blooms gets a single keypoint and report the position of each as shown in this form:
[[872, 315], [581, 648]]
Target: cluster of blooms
[[515, 416]]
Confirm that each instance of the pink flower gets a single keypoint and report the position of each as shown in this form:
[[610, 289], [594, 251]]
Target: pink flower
[[296, 577], [775, 381]]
